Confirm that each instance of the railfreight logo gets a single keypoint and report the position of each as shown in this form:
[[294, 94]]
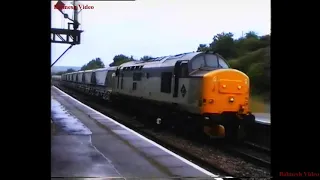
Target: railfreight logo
[[62, 6]]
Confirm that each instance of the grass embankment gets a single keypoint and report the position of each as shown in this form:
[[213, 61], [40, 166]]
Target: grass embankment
[[258, 105]]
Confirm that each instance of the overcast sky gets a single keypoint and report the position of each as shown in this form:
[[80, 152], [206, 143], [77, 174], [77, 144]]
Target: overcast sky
[[156, 27]]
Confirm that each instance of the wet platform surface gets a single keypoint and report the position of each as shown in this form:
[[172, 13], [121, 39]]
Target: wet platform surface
[[263, 118], [86, 143]]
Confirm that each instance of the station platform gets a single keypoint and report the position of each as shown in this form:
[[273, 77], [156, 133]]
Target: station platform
[[263, 118], [86, 143]]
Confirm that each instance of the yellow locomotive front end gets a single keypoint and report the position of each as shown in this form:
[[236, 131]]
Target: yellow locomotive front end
[[225, 102], [225, 90]]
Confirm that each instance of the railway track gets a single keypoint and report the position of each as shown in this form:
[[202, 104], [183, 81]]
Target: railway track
[[252, 153], [144, 130], [261, 136], [246, 150], [257, 147]]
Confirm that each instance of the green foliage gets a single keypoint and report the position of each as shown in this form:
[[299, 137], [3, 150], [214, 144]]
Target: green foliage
[[202, 48], [224, 44], [93, 64], [144, 58], [120, 59], [249, 54], [70, 70], [244, 62], [257, 66]]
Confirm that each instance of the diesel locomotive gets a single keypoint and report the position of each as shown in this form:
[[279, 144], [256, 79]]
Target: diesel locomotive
[[197, 91]]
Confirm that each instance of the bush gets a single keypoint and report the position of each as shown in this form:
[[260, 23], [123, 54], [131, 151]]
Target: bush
[[256, 65]]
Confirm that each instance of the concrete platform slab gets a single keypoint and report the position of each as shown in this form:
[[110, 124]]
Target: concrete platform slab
[[87, 149], [263, 118]]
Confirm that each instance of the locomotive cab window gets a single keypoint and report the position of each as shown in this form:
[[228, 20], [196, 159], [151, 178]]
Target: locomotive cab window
[[198, 63], [223, 64], [215, 61], [210, 61]]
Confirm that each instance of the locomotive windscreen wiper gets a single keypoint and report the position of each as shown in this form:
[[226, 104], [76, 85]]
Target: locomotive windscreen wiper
[[218, 61], [200, 68]]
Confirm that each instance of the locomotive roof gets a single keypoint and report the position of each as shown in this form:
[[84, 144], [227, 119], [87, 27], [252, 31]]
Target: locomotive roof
[[153, 62], [162, 61]]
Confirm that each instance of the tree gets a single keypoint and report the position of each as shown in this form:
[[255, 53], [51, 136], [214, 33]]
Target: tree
[[59, 73], [131, 58], [70, 70], [252, 34], [144, 58], [223, 44], [246, 45], [265, 40], [93, 64], [120, 59], [259, 78], [249, 54], [203, 47]]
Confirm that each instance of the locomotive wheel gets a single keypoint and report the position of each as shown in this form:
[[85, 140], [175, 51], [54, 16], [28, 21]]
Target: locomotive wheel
[[231, 132], [247, 127], [214, 131], [193, 128], [242, 133], [245, 130]]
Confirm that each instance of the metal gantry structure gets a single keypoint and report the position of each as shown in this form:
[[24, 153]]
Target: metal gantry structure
[[71, 35]]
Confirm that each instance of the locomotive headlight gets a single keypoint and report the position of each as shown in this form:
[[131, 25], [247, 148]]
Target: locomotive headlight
[[231, 99], [210, 101]]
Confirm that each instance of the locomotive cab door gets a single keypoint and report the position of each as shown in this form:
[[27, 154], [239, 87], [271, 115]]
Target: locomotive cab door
[[180, 71], [118, 76], [113, 80]]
